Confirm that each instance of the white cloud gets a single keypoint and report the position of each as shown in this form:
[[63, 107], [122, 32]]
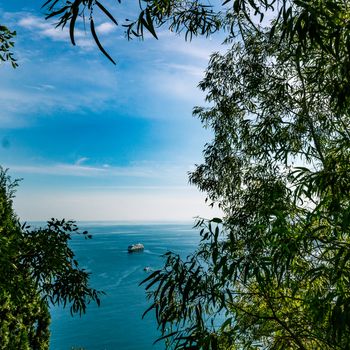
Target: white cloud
[[106, 28], [45, 28], [41, 26]]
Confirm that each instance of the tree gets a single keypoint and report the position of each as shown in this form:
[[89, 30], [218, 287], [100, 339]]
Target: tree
[[274, 272], [37, 269]]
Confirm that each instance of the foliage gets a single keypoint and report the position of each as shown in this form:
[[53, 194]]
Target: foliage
[[308, 23], [37, 269], [6, 44], [192, 17], [274, 272]]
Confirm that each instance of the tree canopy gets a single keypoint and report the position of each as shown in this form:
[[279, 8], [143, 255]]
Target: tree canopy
[[37, 269], [273, 273]]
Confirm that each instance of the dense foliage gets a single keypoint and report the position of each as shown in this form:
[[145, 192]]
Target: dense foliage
[[6, 46], [37, 269], [274, 272]]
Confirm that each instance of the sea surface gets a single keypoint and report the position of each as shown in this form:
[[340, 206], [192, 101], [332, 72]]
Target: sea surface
[[117, 324]]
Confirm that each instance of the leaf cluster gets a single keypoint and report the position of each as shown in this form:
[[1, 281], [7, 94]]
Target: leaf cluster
[[189, 17], [37, 269], [6, 46]]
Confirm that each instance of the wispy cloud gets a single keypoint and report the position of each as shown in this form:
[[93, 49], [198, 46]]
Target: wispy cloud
[[78, 169], [181, 86], [45, 28], [81, 160], [44, 99], [198, 51], [58, 169], [193, 70], [81, 80], [45, 85], [41, 87]]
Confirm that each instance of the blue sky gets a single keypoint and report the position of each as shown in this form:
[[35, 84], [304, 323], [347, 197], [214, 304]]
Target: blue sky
[[93, 141]]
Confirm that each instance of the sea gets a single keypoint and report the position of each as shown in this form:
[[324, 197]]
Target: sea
[[117, 324]]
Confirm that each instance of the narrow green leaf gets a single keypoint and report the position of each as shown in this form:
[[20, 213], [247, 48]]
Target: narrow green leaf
[[107, 13], [93, 32], [75, 11]]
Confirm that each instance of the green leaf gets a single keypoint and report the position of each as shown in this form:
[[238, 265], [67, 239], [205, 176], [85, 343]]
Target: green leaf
[[75, 11], [106, 12], [93, 32]]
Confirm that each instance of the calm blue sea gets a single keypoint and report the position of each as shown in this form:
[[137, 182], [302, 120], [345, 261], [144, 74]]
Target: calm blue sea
[[117, 323]]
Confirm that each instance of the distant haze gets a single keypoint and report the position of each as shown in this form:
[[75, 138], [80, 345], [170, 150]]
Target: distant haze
[[145, 206]]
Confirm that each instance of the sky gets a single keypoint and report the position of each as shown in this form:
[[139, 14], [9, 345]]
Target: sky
[[94, 141]]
